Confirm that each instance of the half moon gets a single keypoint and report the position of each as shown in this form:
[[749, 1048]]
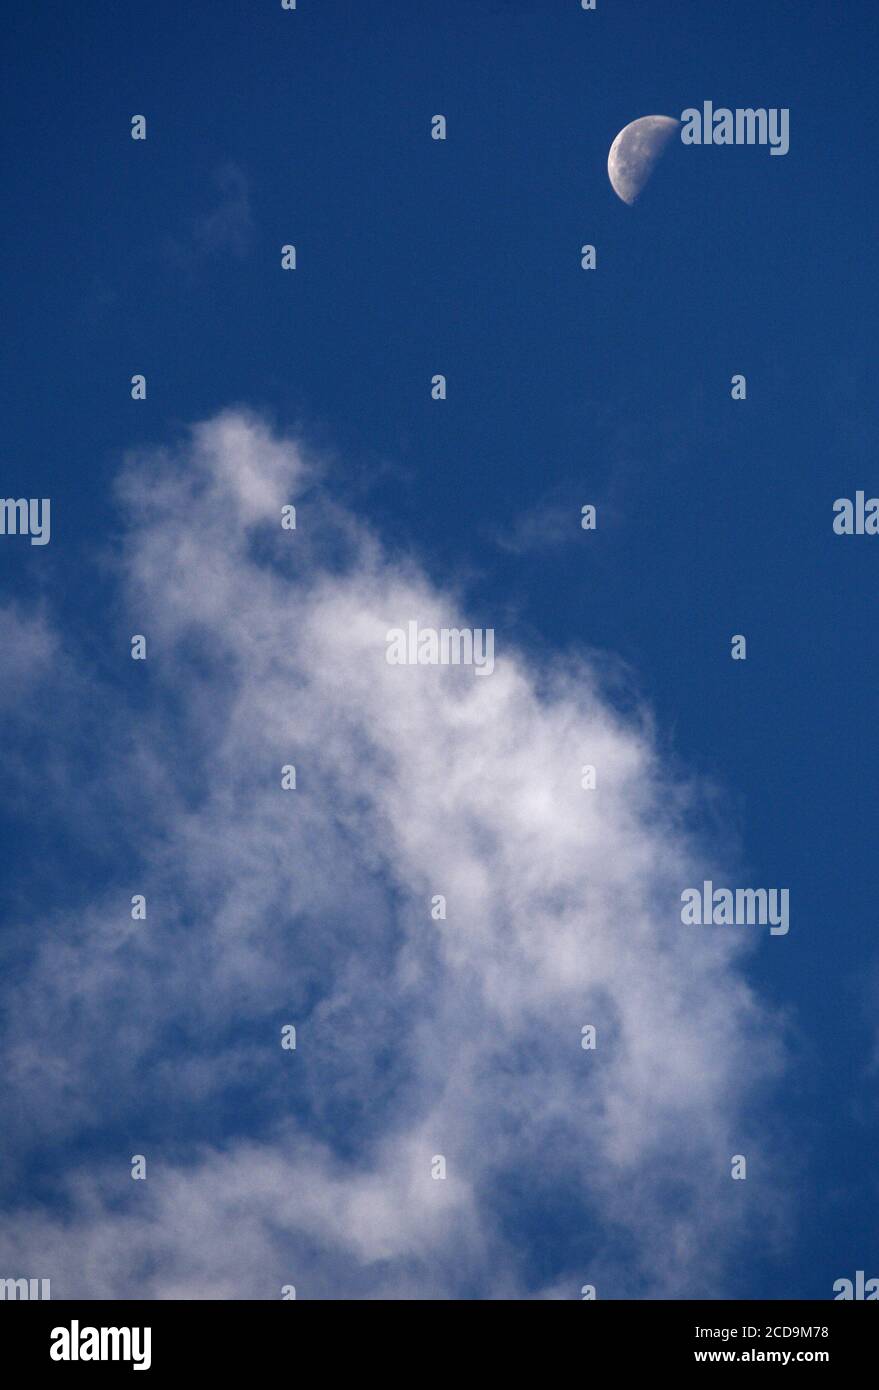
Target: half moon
[[635, 151]]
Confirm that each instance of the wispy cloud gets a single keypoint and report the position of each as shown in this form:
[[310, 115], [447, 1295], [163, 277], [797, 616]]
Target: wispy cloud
[[416, 1037], [225, 227], [551, 522]]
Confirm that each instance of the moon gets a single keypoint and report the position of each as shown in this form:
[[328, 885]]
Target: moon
[[635, 152]]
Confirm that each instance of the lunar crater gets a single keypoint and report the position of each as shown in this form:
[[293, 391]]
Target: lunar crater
[[635, 152]]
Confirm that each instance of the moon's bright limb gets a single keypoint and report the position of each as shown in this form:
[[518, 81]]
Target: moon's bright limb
[[635, 151]]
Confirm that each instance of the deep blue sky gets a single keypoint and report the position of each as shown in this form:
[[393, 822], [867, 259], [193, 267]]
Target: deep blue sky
[[565, 387]]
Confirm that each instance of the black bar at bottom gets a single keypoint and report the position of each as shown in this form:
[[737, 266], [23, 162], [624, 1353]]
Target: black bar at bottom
[[75, 1338]]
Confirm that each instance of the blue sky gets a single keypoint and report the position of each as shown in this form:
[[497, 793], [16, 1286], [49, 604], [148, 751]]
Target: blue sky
[[564, 387]]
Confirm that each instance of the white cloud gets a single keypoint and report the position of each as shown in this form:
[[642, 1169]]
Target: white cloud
[[416, 1037], [27, 649]]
